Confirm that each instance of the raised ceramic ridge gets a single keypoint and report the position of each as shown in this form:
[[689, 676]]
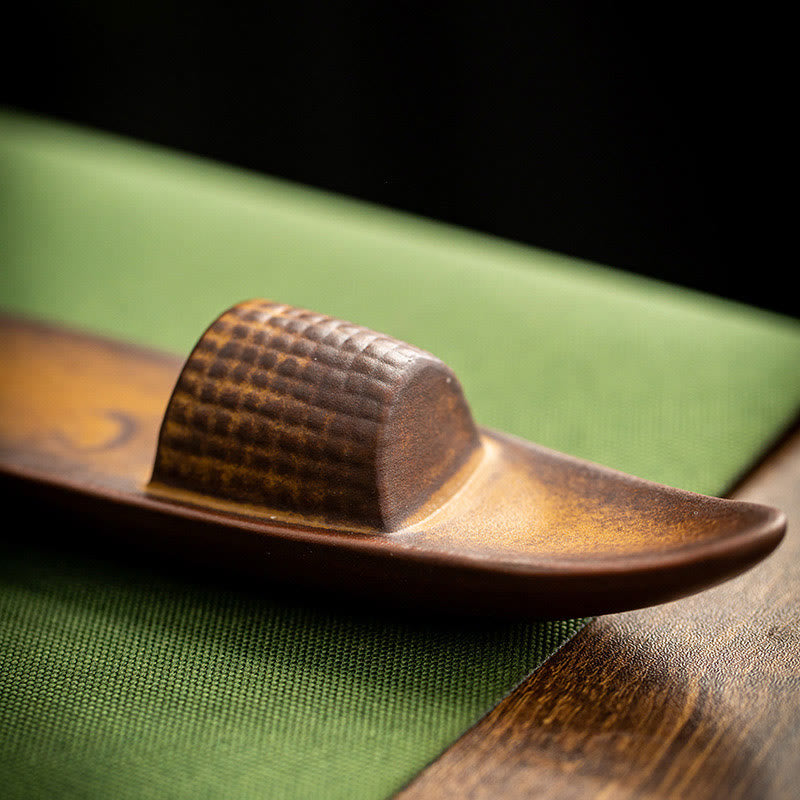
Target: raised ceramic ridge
[[315, 417]]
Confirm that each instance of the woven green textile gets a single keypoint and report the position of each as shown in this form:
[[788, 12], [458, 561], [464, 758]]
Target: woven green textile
[[122, 681], [118, 683]]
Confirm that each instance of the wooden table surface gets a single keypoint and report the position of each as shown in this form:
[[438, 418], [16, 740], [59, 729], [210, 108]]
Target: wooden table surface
[[699, 698]]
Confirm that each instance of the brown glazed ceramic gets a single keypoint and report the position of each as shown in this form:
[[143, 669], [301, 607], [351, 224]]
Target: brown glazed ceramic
[[309, 451], [315, 419]]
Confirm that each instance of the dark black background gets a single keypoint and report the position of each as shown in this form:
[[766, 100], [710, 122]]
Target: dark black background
[[641, 138]]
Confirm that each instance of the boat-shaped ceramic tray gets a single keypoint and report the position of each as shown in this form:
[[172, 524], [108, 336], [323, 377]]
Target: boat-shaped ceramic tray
[[311, 452]]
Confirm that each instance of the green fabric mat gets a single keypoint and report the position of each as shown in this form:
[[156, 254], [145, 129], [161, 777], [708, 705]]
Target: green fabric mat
[[122, 681]]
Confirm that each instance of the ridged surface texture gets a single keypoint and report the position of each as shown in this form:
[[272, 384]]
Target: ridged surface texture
[[296, 411]]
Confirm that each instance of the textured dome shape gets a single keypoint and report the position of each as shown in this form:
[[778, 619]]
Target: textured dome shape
[[317, 419]]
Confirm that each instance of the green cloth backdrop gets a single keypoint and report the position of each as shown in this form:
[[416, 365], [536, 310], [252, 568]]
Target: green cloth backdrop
[[126, 682]]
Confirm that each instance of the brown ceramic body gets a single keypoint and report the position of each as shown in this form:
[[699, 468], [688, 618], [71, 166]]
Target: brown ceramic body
[[476, 521]]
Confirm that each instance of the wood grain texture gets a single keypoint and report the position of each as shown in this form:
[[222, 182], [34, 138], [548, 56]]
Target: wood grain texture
[[698, 698]]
